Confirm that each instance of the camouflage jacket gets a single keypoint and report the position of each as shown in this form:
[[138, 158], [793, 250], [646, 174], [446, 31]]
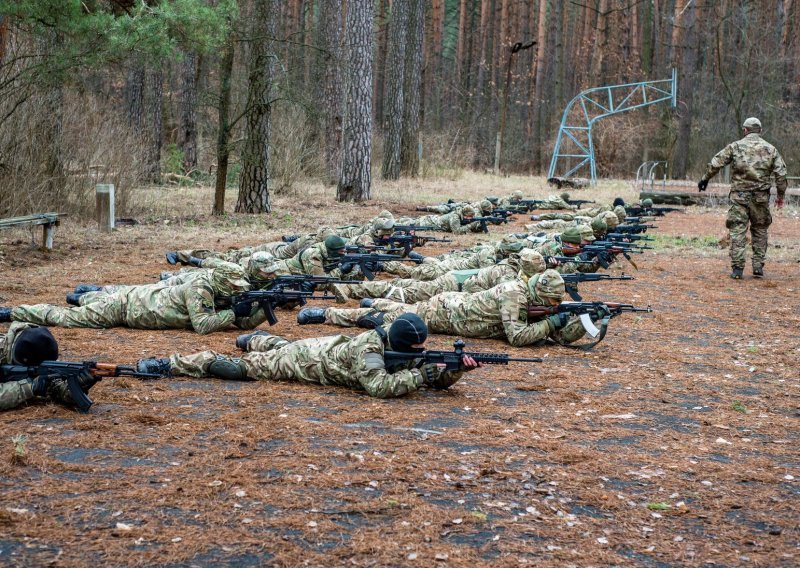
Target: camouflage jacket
[[754, 162], [449, 223], [358, 363], [491, 276], [499, 312], [313, 260], [189, 305]]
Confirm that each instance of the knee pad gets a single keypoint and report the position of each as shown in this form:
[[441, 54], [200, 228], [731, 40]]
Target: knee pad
[[228, 369]]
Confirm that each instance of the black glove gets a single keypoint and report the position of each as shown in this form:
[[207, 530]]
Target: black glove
[[39, 385], [346, 267], [558, 320], [550, 261], [702, 184], [86, 380], [429, 374], [242, 309], [307, 287]]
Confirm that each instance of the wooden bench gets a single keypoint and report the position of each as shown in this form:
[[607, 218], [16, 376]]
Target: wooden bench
[[48, 221]]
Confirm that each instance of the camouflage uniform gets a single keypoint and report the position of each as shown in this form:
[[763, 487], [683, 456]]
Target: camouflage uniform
[[510, 200], [754, 162], [13, 393], [556, 202], [500, 312], [449, 223], [433, 268], [315, 260], [410, 291], [155, 306], [278, 249], [356, 363]]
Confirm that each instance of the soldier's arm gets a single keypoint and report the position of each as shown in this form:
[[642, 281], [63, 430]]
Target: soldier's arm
[[513, 307], [779, 169], [202, 313], [370, 371], [722, 159]]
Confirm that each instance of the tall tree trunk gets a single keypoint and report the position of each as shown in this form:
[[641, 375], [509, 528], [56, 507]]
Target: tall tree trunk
[[356, 179], [134, 98], [690, 40], [409, 152], [187, 129], [380, 65], [254, 181], [538, 84], [460, 44], [435, 84], [3, 36], [479, 98], [598, 66], [154, 102], [224, 128], [393, 106], [330, 25]]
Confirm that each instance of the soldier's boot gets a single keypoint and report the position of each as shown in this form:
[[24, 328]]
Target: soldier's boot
[[194, 261], [74, 298], [289, 238], [416, 257], [758, 272], [366, 303], [172, 257], [535, 218], [166, 275], [311, 315], [737, 273], [154, 366], [371, 320], [5, 314], [83, 288], [244, 339], [340, 292], [228, 369]]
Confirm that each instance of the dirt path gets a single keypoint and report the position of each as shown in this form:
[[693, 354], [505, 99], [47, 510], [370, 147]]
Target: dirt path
[[674, 442]]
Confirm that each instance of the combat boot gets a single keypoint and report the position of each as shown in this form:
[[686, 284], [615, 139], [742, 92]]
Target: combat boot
[[74, 298], [371, 320], [172, 257], [5, 314], [244, 339], [737, 273], [758, 272], [340, 293], [289, 238], [165, 275], [154, 366], [83, 288], [366, 303], [416, 257], [311, 315]]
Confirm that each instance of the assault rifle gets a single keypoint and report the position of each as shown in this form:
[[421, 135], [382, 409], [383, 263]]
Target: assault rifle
[[452, 360], [305, 282], [71, 372], [627, 237], [631, 247], [269, 299], [637, 210], [506, 213], [571, 281], [483, 221], [639, 219], [633, 228], [407, 242], [576, 259], [580, 202], [411, 229], [370, 263]]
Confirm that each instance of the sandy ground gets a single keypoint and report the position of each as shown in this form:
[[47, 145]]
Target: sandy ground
[[673, 442]]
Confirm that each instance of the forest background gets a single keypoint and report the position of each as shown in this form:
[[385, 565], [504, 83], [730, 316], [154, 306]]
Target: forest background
[[266, 95]]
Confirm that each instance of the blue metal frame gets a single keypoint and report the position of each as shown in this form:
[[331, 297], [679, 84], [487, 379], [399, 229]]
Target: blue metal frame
[[612, 99]]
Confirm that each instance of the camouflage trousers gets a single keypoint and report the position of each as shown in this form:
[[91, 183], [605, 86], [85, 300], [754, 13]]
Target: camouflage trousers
[[279, 250], [109, 310], [748, 208], [407, 290], [268, 357], [425, 271], [14, 394]]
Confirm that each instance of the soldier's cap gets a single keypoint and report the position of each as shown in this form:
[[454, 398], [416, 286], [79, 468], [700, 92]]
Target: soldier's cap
[[752, 123], [229, 278], [386, 214], [261, 263], [34, 345], [611, 219], [571, 235], [510, 244], [599, 224], [586, 232], [334, 242], [531, 262], [620, 212], [647, 202], [516, 194], [548, 284], [564, 196], [486, 205], [382, 224], [618, 201], [493, 199], [407, 330], [467, 211]]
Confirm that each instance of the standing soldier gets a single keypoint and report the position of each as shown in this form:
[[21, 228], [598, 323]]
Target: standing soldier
[[754, 161]]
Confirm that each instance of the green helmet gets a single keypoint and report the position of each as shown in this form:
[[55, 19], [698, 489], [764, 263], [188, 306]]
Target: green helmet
[[467, 211], [620, 212], [531, 262], [586, 233], [509, 244], [516, 194], [386, 214], [229, 279], [486, 206], [599, 226], [382, 226], [548, 284], [493, 199], [565, 196], [647, 203], [571, 235], [334, 245]]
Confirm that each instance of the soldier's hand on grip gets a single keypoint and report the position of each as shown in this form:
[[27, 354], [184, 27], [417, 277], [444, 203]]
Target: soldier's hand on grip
[[702, 184]]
